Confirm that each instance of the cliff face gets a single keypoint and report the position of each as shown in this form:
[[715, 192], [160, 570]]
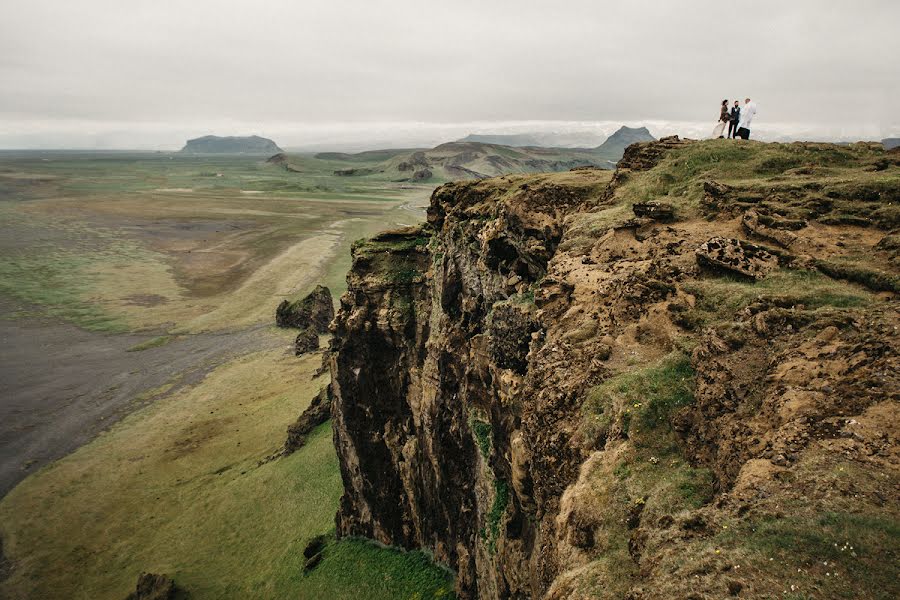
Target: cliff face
[[594, 385]]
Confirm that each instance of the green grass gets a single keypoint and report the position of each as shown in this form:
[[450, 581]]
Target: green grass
[[482, 431], [839, 552], [156, 342], [719, 298], [651, 394], [59, 285], [491, 530], [355, 568], [178, 488]]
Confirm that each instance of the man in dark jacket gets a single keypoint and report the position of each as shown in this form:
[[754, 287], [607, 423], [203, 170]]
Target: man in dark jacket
[[735, 119]]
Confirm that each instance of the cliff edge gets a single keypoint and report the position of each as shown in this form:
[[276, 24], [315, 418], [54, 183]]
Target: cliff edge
[[678, 380]]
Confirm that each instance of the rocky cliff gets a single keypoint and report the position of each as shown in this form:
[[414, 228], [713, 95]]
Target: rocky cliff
[[679, 380]]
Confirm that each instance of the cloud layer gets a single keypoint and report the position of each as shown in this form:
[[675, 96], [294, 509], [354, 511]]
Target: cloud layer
[[148, 74]]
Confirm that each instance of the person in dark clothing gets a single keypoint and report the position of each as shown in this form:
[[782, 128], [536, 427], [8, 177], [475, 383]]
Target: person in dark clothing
[[735, 119], [723, 119]]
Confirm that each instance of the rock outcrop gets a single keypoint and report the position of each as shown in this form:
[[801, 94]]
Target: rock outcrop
[[318, 411], [314, 311], [557, 402]]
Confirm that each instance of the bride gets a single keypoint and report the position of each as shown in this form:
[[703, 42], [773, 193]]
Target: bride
[[724, 118]]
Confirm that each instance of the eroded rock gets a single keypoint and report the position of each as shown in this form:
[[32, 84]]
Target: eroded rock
[[315, 310], [306, 341], [736, 256], [318, 411]]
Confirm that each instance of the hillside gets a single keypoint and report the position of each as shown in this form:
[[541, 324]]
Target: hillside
[[212, 144], [677, 380]]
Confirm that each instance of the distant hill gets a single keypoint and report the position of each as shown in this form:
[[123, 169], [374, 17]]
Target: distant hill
[[477, 160], [471, 159], [213, 144], [578, 139], [891, 143], [615, 145]]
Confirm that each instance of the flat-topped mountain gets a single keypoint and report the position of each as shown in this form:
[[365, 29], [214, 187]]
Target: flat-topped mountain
[[891, 143], [214, 144]]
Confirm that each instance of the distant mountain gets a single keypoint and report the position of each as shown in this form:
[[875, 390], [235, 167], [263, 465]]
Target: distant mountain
[[472, 159], [891, 143], [213, 144], [615, 145], [477, 160], [578, 139]]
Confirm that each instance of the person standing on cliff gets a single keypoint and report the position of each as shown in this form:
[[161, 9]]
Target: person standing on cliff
[[747, 114], [735, 119], [723, 119]]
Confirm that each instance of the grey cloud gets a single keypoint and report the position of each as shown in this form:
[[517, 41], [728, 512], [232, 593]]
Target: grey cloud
[[131, 73]]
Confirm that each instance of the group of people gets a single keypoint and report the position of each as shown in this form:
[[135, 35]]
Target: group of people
[[738, 119]]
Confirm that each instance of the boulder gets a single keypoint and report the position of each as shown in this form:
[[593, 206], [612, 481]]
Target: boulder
[[151, 586], [316, 310], [737, 257], [658, 211], [307, 341]]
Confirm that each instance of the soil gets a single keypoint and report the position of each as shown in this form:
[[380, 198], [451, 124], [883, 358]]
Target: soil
[[60, 386]]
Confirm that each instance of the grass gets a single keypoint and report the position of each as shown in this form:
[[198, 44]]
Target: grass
[[86, 235], [719, 298], [839, 553], [491, 530], [156, 342], [482, 431], [352, 565], [648, 478], [177, 488]]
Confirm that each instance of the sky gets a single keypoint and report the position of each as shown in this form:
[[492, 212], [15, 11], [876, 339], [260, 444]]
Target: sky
[[337, 73]]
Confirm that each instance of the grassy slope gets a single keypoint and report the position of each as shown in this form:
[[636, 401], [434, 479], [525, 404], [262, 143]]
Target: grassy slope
[[176, 488]]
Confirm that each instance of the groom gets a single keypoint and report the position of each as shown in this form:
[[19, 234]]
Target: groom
[[735, 119], [747, 114]]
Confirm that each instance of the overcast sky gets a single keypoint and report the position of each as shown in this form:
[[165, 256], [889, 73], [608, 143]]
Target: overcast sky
[[148, 74]]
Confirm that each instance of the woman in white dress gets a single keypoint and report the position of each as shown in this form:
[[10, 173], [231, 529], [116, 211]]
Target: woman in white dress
[[724, 118]]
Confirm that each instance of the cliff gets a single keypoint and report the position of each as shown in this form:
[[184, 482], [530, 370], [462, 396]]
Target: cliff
[[678, 380]]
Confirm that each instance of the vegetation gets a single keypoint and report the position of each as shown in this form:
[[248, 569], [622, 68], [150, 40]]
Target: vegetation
[[178, 487], [491, 530], [650, 478], [130, 242], [719, 298], [482, 431], [352, 565]]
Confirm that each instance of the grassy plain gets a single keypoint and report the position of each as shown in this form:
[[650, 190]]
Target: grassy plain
[[169, 247]]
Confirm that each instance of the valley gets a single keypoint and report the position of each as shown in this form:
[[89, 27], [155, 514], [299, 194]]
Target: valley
[[143, 381]]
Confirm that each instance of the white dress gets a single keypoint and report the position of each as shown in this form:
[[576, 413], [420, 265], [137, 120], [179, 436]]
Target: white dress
[[720, 128]]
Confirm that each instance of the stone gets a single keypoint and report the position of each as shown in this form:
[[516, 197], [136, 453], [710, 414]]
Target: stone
[[151, 586], [315, 310], [658, 211], [737, 257], [307, 341], [318, 411]]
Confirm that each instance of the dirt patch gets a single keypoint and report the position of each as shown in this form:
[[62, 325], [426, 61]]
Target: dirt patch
[[60, 385]]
